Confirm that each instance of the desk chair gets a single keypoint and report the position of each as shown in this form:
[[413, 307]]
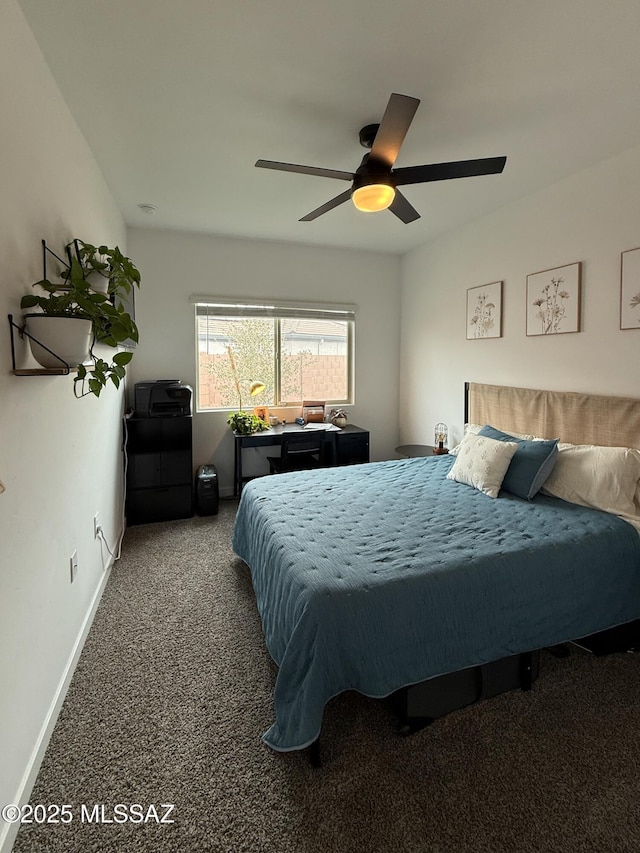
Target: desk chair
[[300, 451]]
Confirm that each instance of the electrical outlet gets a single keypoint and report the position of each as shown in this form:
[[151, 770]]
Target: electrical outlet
[[73, 562], [96, 525]]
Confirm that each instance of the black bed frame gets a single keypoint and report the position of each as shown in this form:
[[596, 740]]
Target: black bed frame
[[419, 705]]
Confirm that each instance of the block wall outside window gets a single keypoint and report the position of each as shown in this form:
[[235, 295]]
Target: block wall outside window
[[296, 358]]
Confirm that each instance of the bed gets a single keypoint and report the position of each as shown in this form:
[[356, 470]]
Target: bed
[[383, 575]]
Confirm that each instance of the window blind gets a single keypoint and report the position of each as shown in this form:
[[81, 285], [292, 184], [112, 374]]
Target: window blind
[[211, 307]]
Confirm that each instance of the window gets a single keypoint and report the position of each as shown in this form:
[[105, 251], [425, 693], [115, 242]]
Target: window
[[298, 352]]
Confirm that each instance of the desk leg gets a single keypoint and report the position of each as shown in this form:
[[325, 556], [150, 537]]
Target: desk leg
[[237, 467], [329, 450]]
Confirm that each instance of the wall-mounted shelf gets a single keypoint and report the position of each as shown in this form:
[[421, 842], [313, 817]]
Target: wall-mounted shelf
[[40, 371], [63, 370], [67, 248]]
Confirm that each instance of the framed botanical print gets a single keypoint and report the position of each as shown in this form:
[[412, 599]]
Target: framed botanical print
[[484, 311], [630, 289], [553, 300]]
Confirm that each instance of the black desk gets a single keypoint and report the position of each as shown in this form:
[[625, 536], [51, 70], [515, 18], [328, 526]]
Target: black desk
[[345, 446]]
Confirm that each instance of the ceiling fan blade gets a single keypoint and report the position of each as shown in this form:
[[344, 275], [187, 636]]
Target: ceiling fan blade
[[393, 128], [305, 170], [403, 209], [339, 199], [447, 171]]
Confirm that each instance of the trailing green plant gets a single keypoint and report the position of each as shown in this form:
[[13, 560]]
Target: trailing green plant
[[245, 423], [112, 324], [121, 273]]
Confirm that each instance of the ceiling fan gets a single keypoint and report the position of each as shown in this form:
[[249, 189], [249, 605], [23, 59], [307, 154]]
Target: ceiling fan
[[374, 184]]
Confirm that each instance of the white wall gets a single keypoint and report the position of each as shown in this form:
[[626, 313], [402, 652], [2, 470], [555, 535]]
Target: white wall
[[59, 457], [175, 266], [591, 217]]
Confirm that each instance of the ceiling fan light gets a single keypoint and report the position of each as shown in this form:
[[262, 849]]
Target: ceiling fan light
[[373, 197]]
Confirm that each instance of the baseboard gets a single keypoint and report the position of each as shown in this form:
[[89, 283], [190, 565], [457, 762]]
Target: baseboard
[[8, 831]]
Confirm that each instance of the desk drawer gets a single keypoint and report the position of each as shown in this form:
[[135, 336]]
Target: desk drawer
[[160, 504], [352, 447]]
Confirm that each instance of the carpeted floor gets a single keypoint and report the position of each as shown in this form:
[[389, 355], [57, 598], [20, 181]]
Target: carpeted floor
[[173, 691]]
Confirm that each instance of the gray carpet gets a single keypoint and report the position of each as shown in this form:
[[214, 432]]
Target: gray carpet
[[173, 690]]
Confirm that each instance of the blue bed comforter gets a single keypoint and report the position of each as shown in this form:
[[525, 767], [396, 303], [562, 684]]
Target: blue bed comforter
[[378, 576]]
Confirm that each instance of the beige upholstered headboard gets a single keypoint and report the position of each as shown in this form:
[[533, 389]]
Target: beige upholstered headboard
[[569, 416]]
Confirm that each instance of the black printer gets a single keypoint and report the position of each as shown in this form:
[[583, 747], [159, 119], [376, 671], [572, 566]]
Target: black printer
[[163, 398]]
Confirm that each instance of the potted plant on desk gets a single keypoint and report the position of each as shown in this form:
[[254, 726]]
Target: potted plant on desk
[[245, 423], [339, 418]]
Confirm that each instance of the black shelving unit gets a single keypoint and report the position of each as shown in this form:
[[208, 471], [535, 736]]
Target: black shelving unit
[[159, 469]]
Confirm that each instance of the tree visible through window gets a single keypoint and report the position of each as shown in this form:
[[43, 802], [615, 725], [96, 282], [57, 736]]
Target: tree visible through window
[[296, 357]]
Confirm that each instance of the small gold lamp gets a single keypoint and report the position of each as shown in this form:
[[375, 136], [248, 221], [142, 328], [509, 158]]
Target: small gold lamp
[[441, 433], [256, 388]]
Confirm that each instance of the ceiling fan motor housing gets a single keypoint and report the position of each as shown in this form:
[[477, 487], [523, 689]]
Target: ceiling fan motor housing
[[371, 171], [368, 134]]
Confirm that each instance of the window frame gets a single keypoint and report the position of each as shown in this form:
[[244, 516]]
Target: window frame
[[277, 311]]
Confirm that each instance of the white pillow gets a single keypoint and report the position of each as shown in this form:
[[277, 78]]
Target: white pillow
[[482, 463], [474, 429], [600, 477]]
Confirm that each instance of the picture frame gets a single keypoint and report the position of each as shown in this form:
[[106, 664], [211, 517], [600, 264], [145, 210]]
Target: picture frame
[[262, 412], [484, 311], [554, 300], [630, 289]]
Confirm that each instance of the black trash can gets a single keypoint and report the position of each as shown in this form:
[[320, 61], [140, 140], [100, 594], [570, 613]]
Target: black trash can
[[207, 490]]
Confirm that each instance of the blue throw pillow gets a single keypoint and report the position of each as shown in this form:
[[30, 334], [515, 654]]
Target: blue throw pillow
[[531, 465]]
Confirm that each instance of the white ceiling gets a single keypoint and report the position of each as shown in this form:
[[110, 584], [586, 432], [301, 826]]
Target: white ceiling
[[179, 99]]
